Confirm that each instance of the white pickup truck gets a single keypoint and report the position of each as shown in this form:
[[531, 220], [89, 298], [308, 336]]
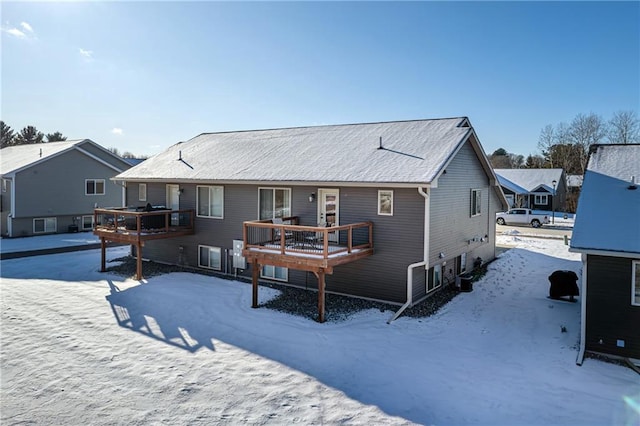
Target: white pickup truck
[[521, 217]]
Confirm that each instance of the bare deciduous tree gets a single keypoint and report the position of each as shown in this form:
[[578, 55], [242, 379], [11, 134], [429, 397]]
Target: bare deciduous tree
[[624, 127], [584, 131]]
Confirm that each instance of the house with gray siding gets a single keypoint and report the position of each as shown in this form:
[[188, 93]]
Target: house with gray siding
[[54, 187], [534, 188], [418, 197], [607, 233]]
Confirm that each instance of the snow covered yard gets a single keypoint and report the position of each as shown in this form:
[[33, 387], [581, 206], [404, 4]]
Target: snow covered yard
[[81, 347]]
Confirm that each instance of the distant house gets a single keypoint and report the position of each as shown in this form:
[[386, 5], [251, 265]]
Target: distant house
[[388, 211], [607, 233], [54, 187], [533, 188]]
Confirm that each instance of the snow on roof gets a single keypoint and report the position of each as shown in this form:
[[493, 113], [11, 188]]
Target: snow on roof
[[605, 189], [574, 181], [16, 157], [531, 179], [413, 152], [510, 185]]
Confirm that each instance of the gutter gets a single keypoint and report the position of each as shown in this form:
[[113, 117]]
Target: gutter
[[425, 256], [583, 313]]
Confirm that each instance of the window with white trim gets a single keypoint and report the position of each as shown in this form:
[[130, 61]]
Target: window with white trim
[[461, 263], [476, 201], [274, 202], [94, 186], [277, 273], [635, 283], [210, 201], [435, 277], [142, 192], [42, 225], [210, 257], [385, 202], [87, 222], [541, 199]]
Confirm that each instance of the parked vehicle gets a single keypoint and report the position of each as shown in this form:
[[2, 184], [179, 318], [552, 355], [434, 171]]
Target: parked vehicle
[[521, 217]]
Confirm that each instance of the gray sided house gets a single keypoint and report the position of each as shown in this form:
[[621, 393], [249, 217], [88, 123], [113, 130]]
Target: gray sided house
[[54, 187], [607, 233], [417, 197], [533, 188]]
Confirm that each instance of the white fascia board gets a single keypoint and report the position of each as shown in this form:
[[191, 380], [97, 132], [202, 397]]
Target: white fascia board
[[278, 183], [610, 253]]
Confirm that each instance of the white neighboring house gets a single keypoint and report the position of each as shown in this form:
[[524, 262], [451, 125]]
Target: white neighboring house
[[54, 187], [610, 247]]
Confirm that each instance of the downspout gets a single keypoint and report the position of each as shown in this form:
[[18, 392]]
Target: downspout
[[425, 257], [583, 313]]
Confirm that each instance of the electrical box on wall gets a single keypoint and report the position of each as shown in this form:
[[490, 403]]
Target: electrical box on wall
[[239, 261]]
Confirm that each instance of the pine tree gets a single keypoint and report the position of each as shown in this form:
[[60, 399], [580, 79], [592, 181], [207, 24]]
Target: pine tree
[[55, 137], [28, 135], [6, 135]]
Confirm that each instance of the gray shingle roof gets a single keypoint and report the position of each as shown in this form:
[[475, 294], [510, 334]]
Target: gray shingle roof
[[531, 179], [608, 216], [414, 152]]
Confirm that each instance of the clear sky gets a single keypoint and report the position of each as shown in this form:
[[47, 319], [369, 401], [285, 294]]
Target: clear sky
[[141, 76]]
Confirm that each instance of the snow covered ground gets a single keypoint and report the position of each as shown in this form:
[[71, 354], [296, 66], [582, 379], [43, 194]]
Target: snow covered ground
[[11, 245], [80, 347]]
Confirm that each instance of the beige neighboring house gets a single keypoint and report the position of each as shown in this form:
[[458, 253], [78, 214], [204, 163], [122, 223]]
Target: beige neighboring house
[[53, 187]]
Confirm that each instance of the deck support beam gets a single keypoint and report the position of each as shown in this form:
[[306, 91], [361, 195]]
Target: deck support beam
[[138, 261], [103, 255], [255, 273], [321, 284]]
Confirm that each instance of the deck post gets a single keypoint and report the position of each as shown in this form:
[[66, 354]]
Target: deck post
[[139, 261], [103, 255], [321, 295], [255, 271]]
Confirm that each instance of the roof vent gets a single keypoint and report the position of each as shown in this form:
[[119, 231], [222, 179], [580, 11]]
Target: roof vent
[[633, 185], [380, 145]]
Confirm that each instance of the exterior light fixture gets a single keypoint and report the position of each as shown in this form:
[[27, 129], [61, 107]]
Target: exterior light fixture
[[312, 197]]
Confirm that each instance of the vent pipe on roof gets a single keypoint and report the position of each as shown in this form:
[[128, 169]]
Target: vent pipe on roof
[[40, 152], [180, 155], [633, 184], [380, 145]]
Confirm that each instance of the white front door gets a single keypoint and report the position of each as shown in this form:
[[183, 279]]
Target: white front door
[[173, 202], [328, 210]]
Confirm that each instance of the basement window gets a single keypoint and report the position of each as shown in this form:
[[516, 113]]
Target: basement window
[[44, 224], [209, 257]]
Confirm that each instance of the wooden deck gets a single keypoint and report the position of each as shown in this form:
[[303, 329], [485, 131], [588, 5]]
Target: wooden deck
[[308, 248], [135, 227]]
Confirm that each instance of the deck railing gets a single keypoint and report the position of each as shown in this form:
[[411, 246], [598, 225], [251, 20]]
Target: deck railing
[[293, 239], [127, 221]]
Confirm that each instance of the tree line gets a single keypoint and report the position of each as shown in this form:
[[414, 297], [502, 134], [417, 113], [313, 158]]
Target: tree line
[[26, 136], [30, 135], [566, 145]]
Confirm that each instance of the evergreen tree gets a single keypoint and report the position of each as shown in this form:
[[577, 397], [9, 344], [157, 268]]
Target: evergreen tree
[[6, 135], [28, 135], [56, 137]]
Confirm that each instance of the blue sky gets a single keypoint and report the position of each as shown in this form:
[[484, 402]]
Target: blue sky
[[141, 76]]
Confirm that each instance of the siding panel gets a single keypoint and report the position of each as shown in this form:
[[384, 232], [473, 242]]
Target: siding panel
[[610, 315]]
